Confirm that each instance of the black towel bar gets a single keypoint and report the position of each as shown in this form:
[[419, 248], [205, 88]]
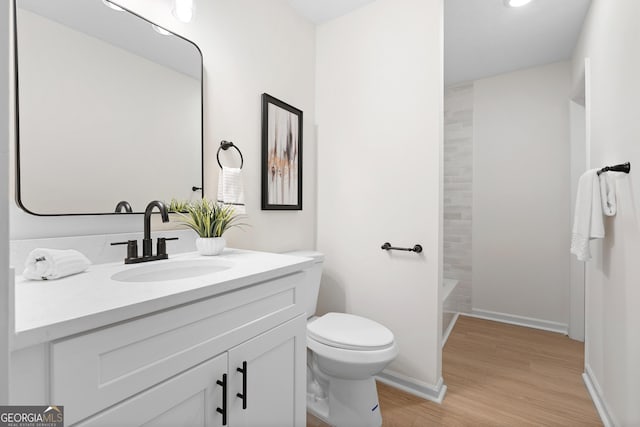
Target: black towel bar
[[387, 247], [624, 167]]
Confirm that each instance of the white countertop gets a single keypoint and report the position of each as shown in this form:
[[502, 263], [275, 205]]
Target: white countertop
[[48, 310]]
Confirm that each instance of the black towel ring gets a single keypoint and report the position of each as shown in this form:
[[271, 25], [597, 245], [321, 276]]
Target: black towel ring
[[225, 145]]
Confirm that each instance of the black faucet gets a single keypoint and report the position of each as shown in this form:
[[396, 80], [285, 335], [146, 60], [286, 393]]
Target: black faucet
[[123, 205], [147, 242]]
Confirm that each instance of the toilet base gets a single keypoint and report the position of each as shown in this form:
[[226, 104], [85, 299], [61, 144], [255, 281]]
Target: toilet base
[[349, 403]]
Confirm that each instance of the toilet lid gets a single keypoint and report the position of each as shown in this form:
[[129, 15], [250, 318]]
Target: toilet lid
[[349, 332]]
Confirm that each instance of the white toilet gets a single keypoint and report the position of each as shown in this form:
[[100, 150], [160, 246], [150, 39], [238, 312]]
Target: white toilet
[[344, 352]]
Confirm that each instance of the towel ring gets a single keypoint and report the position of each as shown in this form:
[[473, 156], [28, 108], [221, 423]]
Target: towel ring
[[225, 145]]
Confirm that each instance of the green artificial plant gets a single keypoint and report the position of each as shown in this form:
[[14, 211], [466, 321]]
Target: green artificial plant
[[208, 219]]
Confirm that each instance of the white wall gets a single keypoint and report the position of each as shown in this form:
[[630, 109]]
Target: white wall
[[379, 98], [521, 195], [249, 47], [610, 41], [4, 200]]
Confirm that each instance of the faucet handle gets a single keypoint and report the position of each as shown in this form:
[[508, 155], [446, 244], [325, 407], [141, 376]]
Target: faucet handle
[[162, 245], [132, 248]]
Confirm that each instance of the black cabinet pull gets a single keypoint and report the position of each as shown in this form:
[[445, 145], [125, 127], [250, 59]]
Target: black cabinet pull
[[243, 395], [223, 410]]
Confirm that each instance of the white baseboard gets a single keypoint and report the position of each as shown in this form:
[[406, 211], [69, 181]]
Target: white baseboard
[[545, 325], [596, 395], [446, 334], [434, 393]]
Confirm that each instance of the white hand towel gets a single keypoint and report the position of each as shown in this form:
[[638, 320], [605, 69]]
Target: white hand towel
[[608, 195], [50, 264], [230, 189], [587, 222]]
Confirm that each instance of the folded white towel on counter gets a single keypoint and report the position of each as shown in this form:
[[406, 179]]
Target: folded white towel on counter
[[588, 221], [50, 264], [608, 195], [231, 189]]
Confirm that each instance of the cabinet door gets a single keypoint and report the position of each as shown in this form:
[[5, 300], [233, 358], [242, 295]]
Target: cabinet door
[[273, 381], [189, 399]]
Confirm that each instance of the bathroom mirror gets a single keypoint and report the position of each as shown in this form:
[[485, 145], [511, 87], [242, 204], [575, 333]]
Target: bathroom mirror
[[109, 109]]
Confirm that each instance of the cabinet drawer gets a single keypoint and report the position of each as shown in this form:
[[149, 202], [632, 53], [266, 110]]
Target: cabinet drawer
[[93, 371]]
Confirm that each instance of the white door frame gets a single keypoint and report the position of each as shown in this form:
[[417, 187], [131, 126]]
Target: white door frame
[[580, 155]]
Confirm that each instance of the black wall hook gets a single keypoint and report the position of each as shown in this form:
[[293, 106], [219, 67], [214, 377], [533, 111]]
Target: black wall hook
[[225, 145]]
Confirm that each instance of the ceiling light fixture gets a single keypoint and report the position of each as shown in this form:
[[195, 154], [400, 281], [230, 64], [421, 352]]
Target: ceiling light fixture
[[516, 3], [160, 30], [183, 10], [112, 6]]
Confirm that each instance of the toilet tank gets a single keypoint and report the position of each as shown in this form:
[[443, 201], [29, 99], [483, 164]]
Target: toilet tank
[[311, 285]]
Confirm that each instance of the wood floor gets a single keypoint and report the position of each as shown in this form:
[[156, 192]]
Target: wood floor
[[499, 375]]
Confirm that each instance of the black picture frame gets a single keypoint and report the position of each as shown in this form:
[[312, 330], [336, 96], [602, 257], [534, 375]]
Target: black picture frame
[[281, 155]]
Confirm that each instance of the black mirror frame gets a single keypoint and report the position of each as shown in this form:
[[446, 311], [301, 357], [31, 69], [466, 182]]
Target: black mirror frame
[[15, 64]]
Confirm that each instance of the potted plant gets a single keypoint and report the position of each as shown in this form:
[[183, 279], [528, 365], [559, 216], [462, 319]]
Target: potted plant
[[210, 220]]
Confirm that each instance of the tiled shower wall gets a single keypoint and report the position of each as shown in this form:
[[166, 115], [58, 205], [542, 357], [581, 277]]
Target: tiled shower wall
[[458, 193]]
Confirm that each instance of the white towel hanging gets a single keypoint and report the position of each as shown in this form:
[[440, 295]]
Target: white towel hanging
[[608, 195], [231, 189], [588, 220]]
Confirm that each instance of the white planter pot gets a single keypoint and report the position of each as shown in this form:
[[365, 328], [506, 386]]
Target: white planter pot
[[210, 245]]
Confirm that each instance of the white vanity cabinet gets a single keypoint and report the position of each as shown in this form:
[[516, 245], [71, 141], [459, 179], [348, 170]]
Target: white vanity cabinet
[[254, 384], [167, 368]]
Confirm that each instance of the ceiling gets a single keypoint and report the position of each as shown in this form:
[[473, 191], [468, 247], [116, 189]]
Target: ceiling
[[484, 38], [320, 11]]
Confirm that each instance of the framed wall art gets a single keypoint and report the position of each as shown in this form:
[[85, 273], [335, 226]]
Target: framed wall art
[[281, 155]]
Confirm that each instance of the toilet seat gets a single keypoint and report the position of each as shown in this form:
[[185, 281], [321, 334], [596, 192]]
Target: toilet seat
[[358, 357], [349, 332]]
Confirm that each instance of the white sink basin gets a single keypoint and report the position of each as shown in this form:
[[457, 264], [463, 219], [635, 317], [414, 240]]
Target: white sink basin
[[161, 271]]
